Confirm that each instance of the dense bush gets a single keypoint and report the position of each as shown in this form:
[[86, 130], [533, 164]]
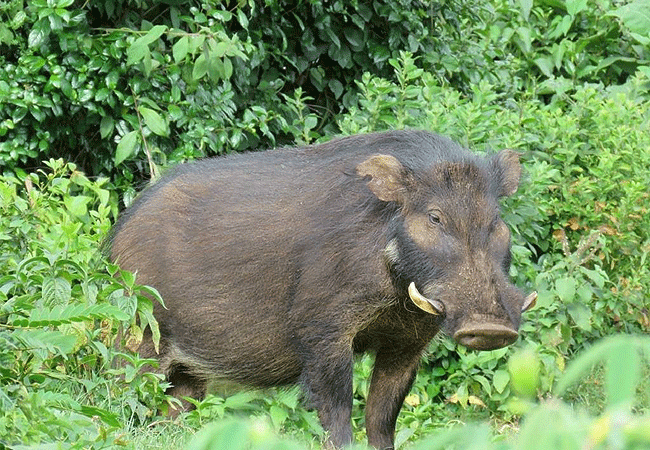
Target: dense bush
[[547, 47], [75, 91], [550, 424], [167, 81], [60, 312]]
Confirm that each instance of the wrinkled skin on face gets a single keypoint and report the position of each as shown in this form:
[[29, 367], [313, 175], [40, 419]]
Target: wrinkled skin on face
[[453, 248]]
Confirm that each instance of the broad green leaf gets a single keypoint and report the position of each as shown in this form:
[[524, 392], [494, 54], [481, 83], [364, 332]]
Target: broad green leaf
[[56, 290], [136, 52], [195, 42], [200, 68], [241, 399], [580, 314], [573, 7], [106, 416], [278, 416], [403, 435], [545, 298], [227, 68], [153, 34], [69, 313], [333, 37], [145, 312], [500, 380], [317, 75], [545, 65], [36, 37], [594, 276], [181, 48], [336, 87], [220, 49], [154, 121], [585, 293], [243, 20], [355, 37], [215, 69], [106, 126], [526, 6], [77, 205], [311, 122], [564, 26], [484, 382], [52, 341], [566, 289], [126, 146], [635, 16], [526, 40]]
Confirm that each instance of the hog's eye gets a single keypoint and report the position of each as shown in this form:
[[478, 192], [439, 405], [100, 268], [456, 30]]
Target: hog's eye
[[434, 218]]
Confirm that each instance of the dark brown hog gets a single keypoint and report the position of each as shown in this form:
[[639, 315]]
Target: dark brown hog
[[276, 267]]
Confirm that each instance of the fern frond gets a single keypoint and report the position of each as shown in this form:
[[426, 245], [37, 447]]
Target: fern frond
[[52, 341], [64, 314]]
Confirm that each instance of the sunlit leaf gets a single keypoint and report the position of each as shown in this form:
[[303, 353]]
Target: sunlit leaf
[[154, 121], [566, 289], [181, 48], [126, 146]]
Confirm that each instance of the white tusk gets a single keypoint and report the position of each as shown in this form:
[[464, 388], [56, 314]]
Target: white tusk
[[431, 306], [529, 301]]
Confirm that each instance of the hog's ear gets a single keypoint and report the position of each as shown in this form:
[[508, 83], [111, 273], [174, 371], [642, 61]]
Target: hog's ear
[[385, 177], [507, 171]]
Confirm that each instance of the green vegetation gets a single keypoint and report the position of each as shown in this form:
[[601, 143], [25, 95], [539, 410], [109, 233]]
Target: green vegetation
[[96, 97]]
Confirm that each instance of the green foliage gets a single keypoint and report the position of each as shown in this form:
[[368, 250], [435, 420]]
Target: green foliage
[[60, 377], [122, 87], [105, 96], [281, 406], [546, 47]]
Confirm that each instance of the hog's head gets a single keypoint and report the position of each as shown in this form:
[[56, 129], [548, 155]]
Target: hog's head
[[450, 249]]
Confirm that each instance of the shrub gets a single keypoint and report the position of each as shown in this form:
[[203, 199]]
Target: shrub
[[75, 91], [61, 378]]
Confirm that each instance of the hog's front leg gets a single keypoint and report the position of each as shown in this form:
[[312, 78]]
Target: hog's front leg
[[327, 379], [392, 378]]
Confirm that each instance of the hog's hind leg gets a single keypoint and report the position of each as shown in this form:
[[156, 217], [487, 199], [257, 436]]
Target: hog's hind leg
[[184, 384], [180, 370]]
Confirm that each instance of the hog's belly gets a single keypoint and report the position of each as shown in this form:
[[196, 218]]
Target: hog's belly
[[255, 353]]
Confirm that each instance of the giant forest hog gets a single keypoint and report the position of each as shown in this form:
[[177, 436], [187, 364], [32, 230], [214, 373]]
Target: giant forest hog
[[276, 267]]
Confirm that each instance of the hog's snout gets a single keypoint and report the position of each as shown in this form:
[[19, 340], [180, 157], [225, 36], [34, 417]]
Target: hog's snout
[[488, 336]]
